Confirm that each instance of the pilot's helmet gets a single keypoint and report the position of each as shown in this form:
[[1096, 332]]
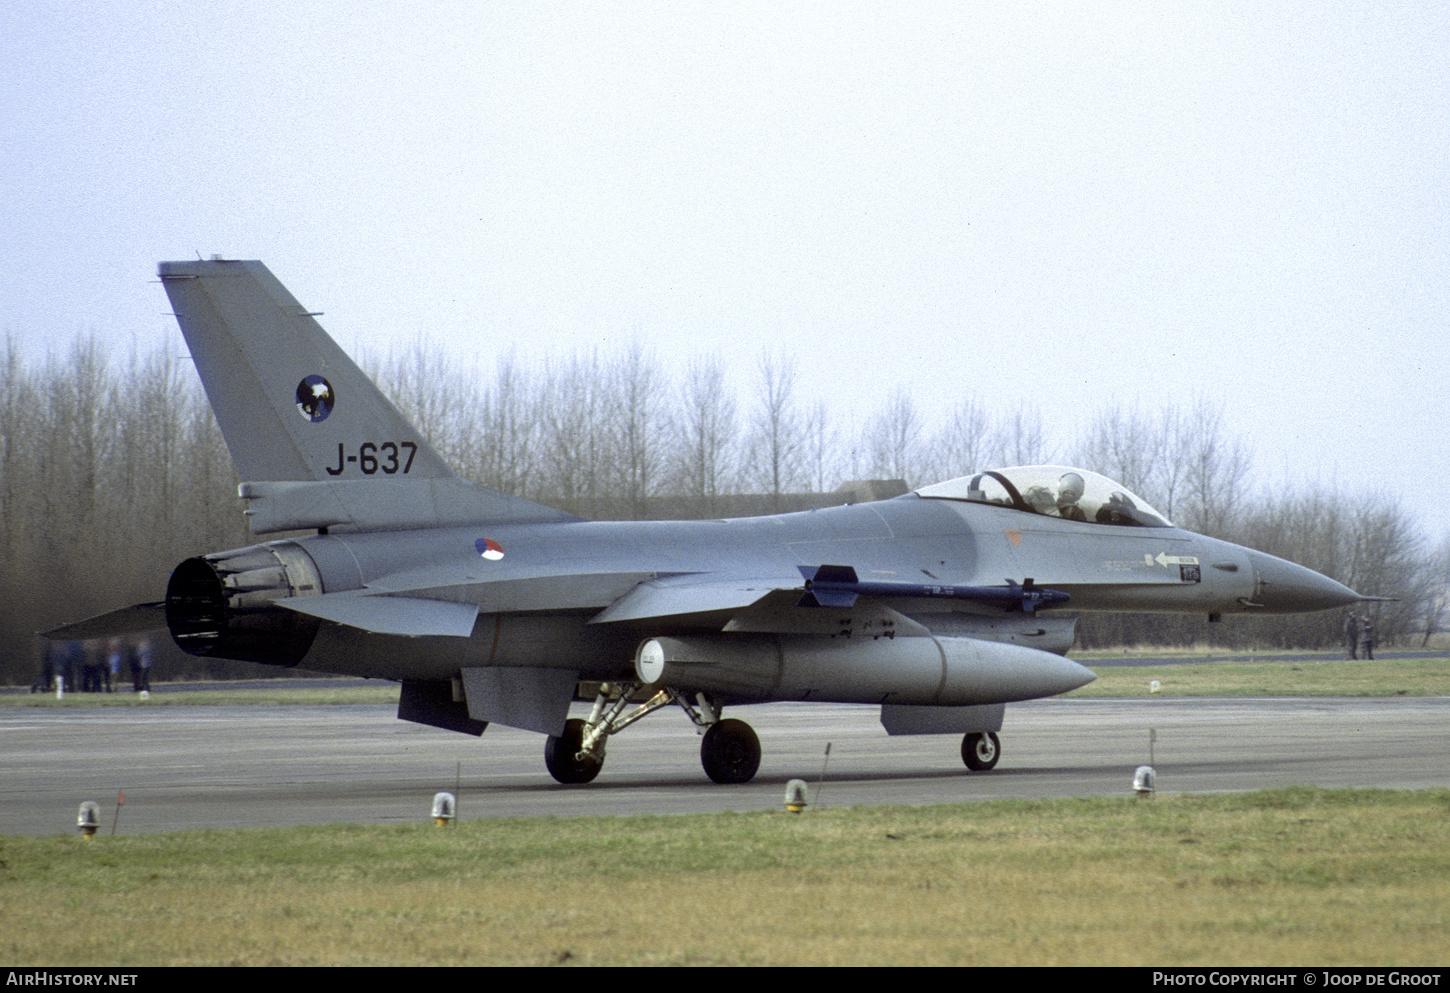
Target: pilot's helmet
[[1039, 498], [1069, 489]]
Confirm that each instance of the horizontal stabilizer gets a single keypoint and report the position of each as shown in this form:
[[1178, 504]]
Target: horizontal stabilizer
[[141, 618], [411, 617]]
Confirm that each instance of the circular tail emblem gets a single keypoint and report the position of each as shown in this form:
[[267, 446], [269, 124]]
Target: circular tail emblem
[[489, 549], [315, 398]]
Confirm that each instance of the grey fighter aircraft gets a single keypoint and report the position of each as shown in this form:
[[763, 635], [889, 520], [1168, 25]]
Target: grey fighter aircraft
[[939, 606]]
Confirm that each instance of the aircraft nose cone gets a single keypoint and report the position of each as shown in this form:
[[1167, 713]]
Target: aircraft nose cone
[[1285, 588]]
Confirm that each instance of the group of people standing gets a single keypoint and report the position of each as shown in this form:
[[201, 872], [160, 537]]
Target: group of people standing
[[94, 666], [1359, 635]]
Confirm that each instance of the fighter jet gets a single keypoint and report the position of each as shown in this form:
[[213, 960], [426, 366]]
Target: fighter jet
[[940, 606]]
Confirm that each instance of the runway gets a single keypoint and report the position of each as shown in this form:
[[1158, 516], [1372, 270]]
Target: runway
[[260, 766]]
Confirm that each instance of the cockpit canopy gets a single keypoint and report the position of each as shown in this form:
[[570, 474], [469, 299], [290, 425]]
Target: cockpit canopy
[[1053, 491]]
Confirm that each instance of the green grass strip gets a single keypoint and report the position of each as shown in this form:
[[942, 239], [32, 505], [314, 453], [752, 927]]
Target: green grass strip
[[1288, 877]]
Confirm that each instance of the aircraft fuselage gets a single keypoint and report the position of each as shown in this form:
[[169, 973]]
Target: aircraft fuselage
[[541, 592]]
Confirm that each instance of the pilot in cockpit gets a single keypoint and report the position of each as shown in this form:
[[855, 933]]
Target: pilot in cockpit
[[1069, 492], [1119, 509], [1041, 500]]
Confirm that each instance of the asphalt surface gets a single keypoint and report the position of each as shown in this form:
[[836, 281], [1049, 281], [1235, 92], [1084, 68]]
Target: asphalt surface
[[259, 766]]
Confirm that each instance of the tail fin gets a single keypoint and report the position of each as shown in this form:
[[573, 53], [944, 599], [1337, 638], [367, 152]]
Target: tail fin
[[291, 404], [314, 440]]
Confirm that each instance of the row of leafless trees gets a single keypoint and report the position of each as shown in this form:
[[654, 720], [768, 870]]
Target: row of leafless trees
[[112, 470]]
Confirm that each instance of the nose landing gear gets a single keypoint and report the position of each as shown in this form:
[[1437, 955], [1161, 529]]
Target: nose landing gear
[[981, 750]]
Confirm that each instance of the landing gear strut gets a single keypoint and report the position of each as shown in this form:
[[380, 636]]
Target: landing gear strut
[[729, 750], [981, 750]]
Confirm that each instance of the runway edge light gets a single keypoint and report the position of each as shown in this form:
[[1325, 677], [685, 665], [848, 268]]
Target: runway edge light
[[88, 819], [795, 796], [1143, 780], [444, 808]]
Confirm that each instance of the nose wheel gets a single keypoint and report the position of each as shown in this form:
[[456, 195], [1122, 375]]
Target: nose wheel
[[981, 750]]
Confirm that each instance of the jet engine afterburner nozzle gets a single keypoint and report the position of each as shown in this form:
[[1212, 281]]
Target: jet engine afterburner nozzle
[[222, 605]]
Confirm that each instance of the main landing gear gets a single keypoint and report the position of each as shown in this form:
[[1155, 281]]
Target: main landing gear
[[729, 750], [566, 762]]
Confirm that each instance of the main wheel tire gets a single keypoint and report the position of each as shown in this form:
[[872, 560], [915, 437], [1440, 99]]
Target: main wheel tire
[[560, 755], [730, 752], [981, 750]]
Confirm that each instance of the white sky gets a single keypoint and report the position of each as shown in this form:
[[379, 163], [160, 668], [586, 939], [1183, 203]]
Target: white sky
[[1067, 204]]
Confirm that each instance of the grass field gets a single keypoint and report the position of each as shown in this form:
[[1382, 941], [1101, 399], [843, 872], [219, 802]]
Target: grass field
[[1327, 677], [1290, 877]]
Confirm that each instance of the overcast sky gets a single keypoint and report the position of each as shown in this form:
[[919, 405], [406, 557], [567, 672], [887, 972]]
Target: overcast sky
[[1067, 204]]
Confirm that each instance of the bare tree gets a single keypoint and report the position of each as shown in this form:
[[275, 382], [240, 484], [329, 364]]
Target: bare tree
[[439, 400], [1024, 439], [1436, 586], [1215, 470], [19, 417], [775, 438], [638, 418], [1386, 557], [820, 449], [893, 440], [967, 442], [705, 424], [1126, 445], [573, 421], [509, 415]]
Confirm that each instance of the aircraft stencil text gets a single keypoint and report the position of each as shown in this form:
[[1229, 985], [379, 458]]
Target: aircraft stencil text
[[373, 457]]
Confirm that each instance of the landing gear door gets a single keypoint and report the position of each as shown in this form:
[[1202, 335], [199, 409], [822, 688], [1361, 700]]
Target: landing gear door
[[529, 699]]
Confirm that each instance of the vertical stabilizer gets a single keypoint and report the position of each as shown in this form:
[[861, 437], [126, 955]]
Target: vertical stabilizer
[[292, 406], [316, 443]]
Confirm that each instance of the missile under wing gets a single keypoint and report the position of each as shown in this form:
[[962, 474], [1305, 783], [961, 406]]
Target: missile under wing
[[940, 606]]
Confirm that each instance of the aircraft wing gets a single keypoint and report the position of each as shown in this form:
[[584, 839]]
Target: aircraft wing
[[746, 605], [701, 597], [691, 596]]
